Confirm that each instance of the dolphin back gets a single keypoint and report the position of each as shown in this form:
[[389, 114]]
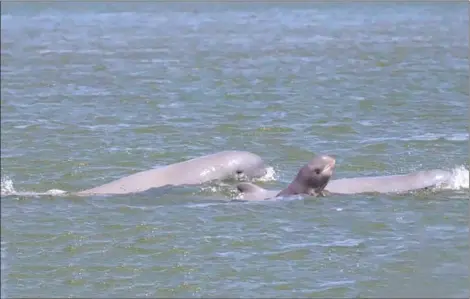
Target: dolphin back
[[389, 184], [249, 191]]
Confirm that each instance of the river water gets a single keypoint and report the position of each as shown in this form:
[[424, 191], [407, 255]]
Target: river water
[[95, 91]]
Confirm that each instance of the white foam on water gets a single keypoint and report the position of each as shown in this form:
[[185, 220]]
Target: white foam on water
[[269, 176], [6, 186], [55, 192], [211, 189], [458, 180], [7, 189]]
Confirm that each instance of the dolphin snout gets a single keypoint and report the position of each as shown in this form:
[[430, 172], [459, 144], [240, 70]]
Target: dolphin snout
[[329, 161]]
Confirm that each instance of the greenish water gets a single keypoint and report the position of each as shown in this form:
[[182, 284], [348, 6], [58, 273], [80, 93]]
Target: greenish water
[[93, 92]]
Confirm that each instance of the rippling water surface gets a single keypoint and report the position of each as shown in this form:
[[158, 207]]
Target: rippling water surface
[[92, 92]]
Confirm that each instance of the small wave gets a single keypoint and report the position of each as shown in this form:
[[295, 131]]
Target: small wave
[[434, 137], [171, 105], [337, 243], [422, 137], [204, 205]]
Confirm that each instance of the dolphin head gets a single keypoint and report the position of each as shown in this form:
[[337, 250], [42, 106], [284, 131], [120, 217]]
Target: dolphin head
[[245, 165], [226, 165], [316, 173], [250, 166]]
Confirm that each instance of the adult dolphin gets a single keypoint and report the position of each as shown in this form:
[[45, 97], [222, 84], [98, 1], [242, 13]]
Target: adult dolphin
[[370, 184], [310, 180], [219, 166]]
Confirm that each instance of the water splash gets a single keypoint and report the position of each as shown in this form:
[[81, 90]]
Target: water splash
[[7, 189], [6, 186], [211, 189], [459, 179], [269, 176], [237, 196]]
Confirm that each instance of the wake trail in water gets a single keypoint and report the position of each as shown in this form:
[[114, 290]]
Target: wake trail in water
[[7, 189]]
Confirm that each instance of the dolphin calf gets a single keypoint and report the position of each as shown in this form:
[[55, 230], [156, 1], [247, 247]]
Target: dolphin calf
[[311, 178], [370, 184], [219, 166]]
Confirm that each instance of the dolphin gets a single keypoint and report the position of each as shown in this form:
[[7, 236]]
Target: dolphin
[[369, 184]]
